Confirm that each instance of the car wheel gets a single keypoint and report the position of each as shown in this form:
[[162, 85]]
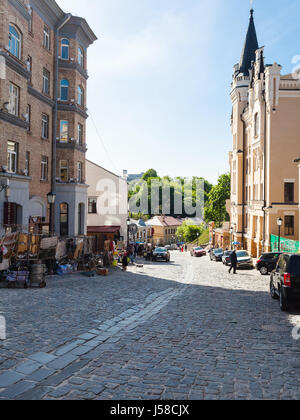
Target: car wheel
[[264, 271], [273, 291], [283, 302]]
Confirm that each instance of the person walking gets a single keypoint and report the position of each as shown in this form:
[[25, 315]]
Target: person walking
[[233, 262], [125, 262]]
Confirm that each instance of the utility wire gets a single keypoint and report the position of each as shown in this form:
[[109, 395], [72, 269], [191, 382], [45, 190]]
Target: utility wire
[[103, 144]]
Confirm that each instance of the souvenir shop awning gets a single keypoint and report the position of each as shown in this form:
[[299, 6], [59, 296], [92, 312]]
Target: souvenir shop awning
[[103, 229]]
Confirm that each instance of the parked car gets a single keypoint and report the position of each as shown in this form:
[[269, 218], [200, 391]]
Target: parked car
[[216, 254], [161, 254], [268, 262], [226, 257], [198, 252], [285, 280], [244, 259]]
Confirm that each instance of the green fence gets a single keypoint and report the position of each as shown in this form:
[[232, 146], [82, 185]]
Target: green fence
[[286, 245]]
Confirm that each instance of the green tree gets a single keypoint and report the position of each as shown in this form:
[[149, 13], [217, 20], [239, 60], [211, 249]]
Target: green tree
[[216, 206], [189, 233]]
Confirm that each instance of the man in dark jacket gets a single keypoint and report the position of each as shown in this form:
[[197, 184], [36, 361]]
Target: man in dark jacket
[[233, 262]]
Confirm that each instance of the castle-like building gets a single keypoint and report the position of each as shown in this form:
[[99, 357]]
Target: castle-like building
[[266, 141]]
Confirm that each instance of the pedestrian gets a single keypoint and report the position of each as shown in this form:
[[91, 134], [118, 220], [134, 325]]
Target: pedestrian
[[125, 262], [233, 262], [186, 248]]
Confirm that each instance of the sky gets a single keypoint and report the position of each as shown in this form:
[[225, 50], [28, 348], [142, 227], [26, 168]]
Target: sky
[[160, 78]]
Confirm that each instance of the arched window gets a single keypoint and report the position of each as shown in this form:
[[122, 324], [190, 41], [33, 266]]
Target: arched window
[[256, 125], [64, 219], [80, 96], [64, 90], [80, 57], [65, 47], [14, 41]]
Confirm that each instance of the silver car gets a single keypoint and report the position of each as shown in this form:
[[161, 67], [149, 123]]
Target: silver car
[[244, 259]]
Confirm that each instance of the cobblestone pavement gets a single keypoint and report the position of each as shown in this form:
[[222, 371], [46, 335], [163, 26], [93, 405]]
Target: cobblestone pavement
[[184, 330]]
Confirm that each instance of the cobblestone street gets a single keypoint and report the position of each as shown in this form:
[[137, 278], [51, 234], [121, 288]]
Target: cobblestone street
[[184, 330]]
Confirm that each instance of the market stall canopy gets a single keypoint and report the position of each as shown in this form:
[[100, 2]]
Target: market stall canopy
[[103, 229]]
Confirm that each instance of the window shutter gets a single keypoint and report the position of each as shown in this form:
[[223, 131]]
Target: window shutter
[[10, 213]]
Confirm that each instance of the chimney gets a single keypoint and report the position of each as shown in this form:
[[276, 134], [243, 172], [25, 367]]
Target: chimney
[[125, 174]]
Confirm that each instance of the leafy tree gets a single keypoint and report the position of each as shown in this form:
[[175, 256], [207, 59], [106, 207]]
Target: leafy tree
[[188, 232], [151, 173], [216, 206]]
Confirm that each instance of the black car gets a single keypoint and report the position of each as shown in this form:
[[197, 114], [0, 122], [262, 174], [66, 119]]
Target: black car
[[216, 254], [161, 254], [267, 262], [285, 280]]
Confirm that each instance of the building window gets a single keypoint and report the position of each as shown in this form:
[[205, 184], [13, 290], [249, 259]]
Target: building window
[[256, 125], [44, 168], [30, 22], [64, 90], [79, 172], [80, 96], [64, 219], [45, 126], [28, 116], [46, 82], [27, 163], [64, 131], [46, 40], [80, 57], [14, 95], [29, 64], [65, 46], [64, 171], [289, 192], [92, 205], [12, 157], [80, 134], [14, 44], [289, 225]]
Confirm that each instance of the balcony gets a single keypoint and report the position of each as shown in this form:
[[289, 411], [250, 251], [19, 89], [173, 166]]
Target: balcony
[[69, 64], [72, 145], [72, 107]]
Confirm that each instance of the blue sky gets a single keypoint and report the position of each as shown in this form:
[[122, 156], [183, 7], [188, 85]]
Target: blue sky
[[160, 76]]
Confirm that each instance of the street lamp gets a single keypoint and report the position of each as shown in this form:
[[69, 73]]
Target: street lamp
[[231, 237], [51, 197], [279, 224], [128, 224], [198, 234]]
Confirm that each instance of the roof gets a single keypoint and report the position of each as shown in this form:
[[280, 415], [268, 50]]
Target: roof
[[103, 229], [101, 167], [250, 47], [166, 221]]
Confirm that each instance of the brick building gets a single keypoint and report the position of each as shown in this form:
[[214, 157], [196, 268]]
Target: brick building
[[43, 80]]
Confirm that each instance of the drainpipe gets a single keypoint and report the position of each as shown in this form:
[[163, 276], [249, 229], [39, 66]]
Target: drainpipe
[[265, 169], [243, 195], [54, 116]]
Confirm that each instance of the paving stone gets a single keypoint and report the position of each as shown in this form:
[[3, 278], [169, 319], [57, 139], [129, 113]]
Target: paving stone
[[28, 367], [17, 389], [62, 361], [42, 358], [10, 378]]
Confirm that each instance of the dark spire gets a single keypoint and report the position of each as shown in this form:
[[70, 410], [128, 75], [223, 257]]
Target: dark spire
[[251, 45]]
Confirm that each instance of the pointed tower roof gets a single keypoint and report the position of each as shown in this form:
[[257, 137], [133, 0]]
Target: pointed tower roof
[[251, 45]]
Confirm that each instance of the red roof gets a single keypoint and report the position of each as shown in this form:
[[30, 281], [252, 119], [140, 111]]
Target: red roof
[[103, 229], [169, 221]]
